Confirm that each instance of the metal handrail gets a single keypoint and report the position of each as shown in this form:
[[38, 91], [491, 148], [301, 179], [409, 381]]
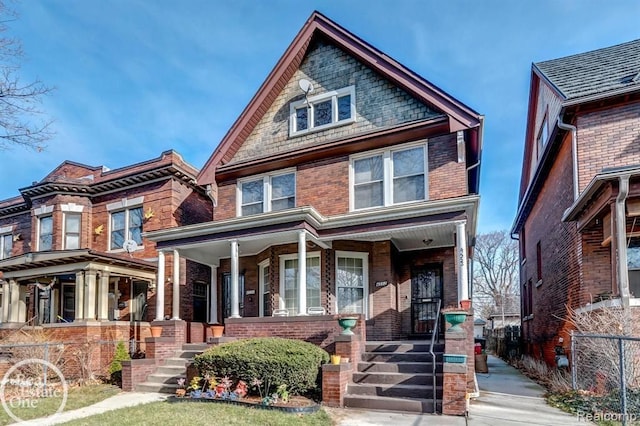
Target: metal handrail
[[434, 333]]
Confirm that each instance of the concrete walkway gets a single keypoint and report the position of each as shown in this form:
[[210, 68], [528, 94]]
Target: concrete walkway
[[506, 398]]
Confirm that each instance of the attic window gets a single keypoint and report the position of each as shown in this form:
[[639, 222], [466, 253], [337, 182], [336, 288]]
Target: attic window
[[323, 111]]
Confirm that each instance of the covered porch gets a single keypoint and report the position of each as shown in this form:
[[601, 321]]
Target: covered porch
[[390, 267]]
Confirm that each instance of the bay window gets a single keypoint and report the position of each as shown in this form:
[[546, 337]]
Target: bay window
[[72, 231], [45, 233], [389, 177], [6, 245]]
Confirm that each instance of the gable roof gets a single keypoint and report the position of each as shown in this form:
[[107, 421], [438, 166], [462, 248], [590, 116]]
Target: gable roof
[[600, 72], [460, 116]]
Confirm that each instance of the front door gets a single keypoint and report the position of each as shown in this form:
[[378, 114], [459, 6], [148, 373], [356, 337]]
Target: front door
[[426, 290]]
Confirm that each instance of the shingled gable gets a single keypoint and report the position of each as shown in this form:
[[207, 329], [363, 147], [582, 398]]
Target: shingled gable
[[458, 116]]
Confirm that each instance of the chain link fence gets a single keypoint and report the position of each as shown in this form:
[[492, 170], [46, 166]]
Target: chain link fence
[[607, 369]]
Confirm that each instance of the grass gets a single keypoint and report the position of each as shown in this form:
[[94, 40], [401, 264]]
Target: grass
[[78, 397], [194, 414]]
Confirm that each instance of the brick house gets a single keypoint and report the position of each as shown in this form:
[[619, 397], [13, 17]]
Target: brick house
[[72, 254], [577, 220], [351, 168]]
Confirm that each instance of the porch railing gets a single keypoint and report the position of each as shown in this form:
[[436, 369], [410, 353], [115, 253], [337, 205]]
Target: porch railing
[[434, 335]]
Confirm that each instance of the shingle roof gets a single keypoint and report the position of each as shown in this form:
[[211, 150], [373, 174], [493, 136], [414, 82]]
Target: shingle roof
[[598, 72]]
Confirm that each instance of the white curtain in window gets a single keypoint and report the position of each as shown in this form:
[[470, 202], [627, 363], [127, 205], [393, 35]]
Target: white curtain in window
[[350, 285], [291, 287]]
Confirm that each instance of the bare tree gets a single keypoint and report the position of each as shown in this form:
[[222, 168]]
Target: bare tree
[[21, 120], [496, 287]]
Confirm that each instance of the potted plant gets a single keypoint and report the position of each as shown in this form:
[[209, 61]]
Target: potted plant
[[181, 391], [347, 323], [156, 330], [455, 317]]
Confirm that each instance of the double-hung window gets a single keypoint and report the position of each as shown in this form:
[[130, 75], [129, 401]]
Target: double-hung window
[[290, 287], [267, 193], [265, 288], [389, 177], [352, 282], [72, 223], [45, 233], [126, 225], [323, 111], [6, 244]]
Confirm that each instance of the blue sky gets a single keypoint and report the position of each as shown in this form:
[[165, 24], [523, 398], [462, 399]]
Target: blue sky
[[135, 78]]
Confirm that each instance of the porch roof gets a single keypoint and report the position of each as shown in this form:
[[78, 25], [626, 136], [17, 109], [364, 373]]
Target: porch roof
[[65, 261], [429, 224]]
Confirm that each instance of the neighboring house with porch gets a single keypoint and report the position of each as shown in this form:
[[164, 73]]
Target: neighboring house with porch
[[72, 254], [577, 220]]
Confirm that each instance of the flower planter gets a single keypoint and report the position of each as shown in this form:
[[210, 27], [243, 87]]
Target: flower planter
[[156, 330], [217, 330], [455, 318], [455, 358], [347, 323], [335, 359]]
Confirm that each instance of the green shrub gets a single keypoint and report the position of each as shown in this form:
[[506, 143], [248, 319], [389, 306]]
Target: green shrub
[[115, 368], [273, 360]]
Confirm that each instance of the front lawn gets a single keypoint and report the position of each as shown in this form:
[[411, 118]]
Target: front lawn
[[78, 397], [193, 414]]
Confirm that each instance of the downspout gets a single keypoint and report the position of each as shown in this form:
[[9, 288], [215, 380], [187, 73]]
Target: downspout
[[574, 152], [621, 240]]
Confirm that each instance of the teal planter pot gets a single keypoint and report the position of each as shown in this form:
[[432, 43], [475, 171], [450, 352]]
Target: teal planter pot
[[347, 323], [455, 358], [455, 319]]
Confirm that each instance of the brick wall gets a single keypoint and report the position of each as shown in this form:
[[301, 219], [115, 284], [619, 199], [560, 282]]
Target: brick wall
[[607, 138], [561, 258]]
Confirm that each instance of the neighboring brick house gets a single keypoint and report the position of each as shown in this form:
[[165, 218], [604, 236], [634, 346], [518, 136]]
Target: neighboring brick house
[[352, 168], [577, 219], [72, 250]]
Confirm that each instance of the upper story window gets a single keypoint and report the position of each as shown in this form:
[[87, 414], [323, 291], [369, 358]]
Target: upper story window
[[72, 228], [6, 242], [389, 177], [543, 136], [323, 111], [266, 193], [126, 219], [45, 233]]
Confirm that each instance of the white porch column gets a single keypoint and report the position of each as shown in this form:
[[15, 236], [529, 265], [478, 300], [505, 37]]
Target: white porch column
[[79, 296], [22, 303], [622, 268], [103, 296], [302, 273], [235, 281], [213, 296], [91, 290], [5, 301], [14, 292], [463, 271], [160, 288], [175, 307]]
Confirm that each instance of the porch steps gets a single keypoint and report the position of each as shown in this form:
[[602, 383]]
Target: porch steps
[[396, 376], [165, 378]]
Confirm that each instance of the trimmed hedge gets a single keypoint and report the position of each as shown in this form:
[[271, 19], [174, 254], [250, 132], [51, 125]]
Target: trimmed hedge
[[273, 360]]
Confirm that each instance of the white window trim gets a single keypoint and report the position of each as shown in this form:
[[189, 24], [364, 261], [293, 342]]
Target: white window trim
[[283, 258], [43, 210], [388, 174], [126, 203], [126, 221], [64, 228], [266, 189], [39, 219], [71, 208], [333, 95], [5, 232], [365, 268], [261, 266]]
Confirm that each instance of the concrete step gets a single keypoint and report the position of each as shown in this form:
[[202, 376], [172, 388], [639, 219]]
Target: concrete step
[[398, 367], [176, 362], [403, 346], [165, 378], [396, 379], [188, 354], [393, 390], [195, 347], [156, 387], [372, 402], [396, 357], [176, 370]]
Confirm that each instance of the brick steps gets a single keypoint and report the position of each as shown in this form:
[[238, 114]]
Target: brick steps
[[396, 376]]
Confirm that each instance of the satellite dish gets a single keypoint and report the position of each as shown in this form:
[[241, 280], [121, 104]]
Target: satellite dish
[[130, 246], [305, 86]]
